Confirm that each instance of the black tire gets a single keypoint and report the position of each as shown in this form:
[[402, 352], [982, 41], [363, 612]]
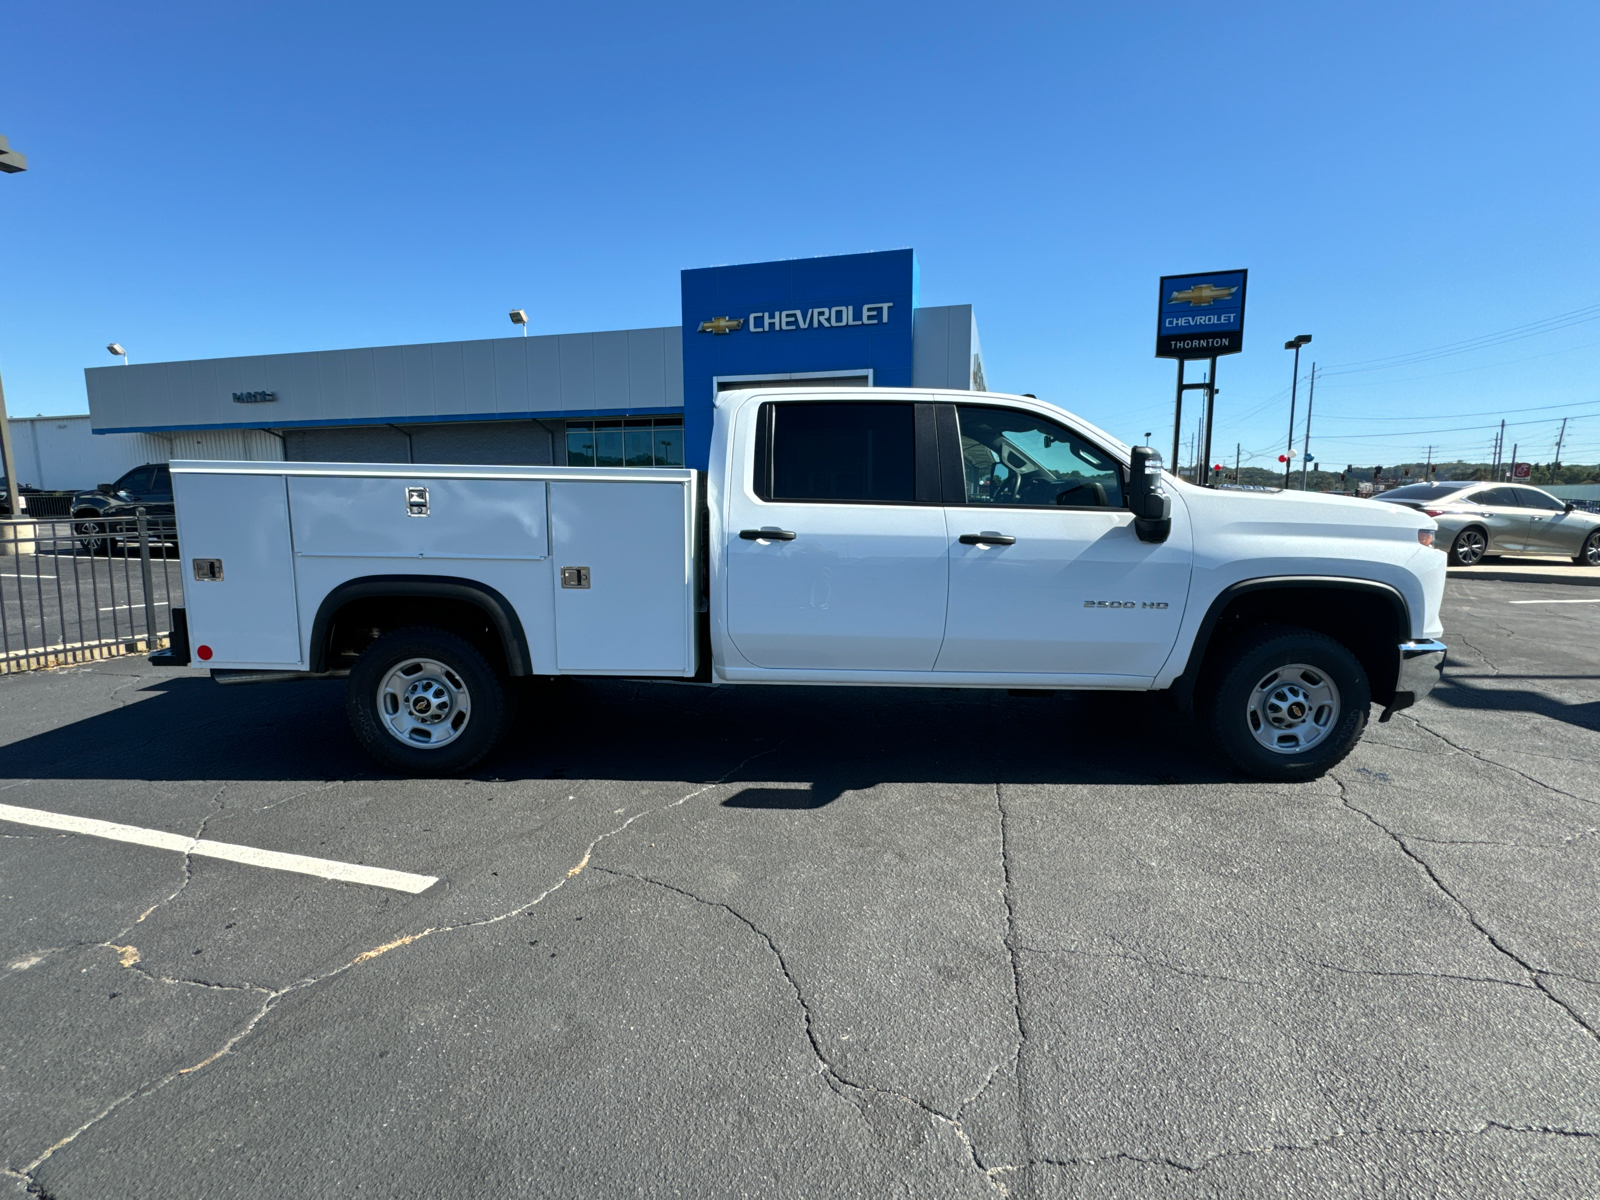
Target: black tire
[[483, 716], [1589, 554], [90, 530], [1469, 548], [1249, 677]]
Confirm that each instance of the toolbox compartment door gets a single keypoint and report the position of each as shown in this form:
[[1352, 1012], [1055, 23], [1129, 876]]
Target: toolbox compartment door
[[248, 617], [623, 577]]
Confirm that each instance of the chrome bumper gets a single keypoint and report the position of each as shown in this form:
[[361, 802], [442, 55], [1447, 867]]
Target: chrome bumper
[[1421, 664]]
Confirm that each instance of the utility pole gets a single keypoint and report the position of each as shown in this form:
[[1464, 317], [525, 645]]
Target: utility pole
[[1500, 449], [1236, 478], [1305, 449], [1560, 437], [1512, 474], [1294, 343], [11, 163], [1427, 472]]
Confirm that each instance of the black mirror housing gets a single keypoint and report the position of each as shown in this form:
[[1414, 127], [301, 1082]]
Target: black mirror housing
[[1570, 506], [1151, 506]]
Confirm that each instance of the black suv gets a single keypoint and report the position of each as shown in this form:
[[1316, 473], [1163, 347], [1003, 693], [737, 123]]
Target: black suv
[[111, 508]]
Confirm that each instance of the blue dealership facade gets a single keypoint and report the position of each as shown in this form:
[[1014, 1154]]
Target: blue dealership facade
[[634, 397]]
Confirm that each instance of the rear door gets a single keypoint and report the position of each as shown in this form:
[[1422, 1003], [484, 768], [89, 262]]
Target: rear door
[[835, 555]]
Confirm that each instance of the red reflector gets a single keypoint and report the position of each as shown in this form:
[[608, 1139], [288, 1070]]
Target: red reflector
[[204, 652]]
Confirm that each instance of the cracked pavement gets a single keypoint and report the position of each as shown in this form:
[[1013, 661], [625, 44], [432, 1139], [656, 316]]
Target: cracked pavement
[[813, 942]]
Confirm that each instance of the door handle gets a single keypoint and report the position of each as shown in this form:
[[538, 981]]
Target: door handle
[[767, 535], [987, 539]]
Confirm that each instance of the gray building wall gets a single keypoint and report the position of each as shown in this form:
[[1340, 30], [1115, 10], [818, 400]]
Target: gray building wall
[[65, 454], [944, 349], [626, 371]]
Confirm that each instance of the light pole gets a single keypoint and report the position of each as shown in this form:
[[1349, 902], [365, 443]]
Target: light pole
[[11, 163], [519, 317], [1294, 344], [1305, 447], [116, 351]]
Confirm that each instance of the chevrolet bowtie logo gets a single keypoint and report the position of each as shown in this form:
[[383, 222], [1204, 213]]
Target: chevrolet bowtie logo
[[721, 325], [1198, 296]]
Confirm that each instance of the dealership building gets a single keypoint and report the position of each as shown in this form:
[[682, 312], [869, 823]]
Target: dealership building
[[637, 397]]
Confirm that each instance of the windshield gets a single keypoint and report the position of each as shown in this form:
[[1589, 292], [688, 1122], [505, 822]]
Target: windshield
[[1423, 491]]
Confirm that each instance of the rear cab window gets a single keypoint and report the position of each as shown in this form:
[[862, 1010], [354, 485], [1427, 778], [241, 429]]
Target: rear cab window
[[844, 452]]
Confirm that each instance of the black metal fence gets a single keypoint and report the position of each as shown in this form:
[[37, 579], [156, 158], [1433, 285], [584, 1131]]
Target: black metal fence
[[72, 591]]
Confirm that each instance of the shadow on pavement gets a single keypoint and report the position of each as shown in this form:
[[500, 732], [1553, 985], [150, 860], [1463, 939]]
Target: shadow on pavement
[[823, 741], [1457, 694]]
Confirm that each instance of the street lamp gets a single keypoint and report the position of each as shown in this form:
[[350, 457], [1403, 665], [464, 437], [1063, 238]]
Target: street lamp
[[11, 163], [115, 349], [519, 317], [1294, 343]]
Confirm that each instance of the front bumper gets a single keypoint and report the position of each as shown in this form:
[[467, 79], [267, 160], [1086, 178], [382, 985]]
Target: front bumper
[[1421, 664]]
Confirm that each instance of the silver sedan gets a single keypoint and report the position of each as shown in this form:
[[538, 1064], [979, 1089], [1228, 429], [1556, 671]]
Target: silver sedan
[[1479, 519]]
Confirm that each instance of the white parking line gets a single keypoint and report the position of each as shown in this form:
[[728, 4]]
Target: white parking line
[[116, 607], [1597, 601], [326, 868], [24, 575]]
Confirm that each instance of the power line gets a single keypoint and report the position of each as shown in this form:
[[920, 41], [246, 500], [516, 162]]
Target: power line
[[1515, 333]]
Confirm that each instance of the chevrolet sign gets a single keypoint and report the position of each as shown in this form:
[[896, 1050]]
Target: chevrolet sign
[[1201, 316]]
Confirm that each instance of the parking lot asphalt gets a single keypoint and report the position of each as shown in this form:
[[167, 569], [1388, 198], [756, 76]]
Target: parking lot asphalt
[[812, 943]]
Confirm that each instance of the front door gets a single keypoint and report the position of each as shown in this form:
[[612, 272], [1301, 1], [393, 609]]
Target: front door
[[835, 554], [1046, 574], [1551, 528]]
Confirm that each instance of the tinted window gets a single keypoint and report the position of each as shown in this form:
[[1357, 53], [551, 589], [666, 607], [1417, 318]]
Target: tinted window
[[1423, 491], [1500, 497], [163, 479], [846, 452], [1534, 498], [135, 481], [1011, 457]]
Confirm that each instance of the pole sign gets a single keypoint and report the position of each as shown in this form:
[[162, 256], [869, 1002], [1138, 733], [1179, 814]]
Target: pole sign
[[1201, 316]]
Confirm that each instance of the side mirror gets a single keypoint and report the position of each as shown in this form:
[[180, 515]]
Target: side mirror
[[1152, 507], [1570, 506], [103, 487]]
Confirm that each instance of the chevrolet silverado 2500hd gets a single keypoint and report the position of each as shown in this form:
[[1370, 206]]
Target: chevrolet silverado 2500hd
[[882, 537]]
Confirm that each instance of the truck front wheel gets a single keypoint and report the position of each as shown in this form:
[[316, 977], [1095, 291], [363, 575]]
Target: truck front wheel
[[1288, 704], [425, 702]]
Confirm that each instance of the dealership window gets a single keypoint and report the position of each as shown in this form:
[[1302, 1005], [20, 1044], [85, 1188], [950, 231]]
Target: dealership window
[[626, 442]]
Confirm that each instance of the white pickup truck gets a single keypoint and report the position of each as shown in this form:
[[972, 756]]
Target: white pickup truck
[[882, 537]]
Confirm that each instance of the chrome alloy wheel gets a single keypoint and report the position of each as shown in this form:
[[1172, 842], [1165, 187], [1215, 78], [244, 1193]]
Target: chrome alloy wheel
[[424, 703], [1293, 708], [1591, 549], [1469, 547]]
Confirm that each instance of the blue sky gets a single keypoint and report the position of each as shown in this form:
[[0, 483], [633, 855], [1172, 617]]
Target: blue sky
[[216, 180]]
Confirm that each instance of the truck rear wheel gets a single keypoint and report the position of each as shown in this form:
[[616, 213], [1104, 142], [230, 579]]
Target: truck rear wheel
[[1288, 704], [425, 702]]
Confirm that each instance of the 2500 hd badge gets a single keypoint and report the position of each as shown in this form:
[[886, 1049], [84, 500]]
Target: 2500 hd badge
[[1125, 604]]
